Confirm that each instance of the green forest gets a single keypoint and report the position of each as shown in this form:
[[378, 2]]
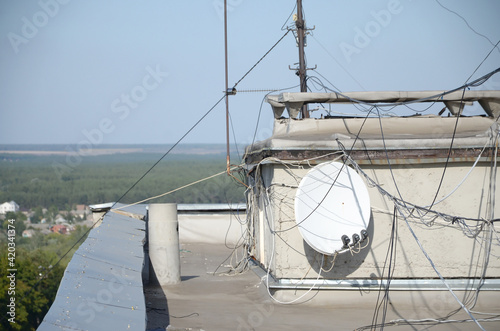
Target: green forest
[[50, 184], [32, 180], [39, 263]]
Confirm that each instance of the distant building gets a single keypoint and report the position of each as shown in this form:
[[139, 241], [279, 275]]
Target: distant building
[[59, 228], [81, 211], [9, 206], [28, 233], [60, 220], [82, 208]]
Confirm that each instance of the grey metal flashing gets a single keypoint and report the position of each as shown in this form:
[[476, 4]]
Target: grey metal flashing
[[395, 284], [211, 207], [102, 285], [409, 284], [139, 209], [101, 207]]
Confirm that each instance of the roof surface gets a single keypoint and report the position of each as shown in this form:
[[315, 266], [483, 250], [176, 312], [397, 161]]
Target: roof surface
[[209, 298]]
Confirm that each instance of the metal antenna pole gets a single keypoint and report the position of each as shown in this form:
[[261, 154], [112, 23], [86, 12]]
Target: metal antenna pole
[[302, 62], [228, 160]]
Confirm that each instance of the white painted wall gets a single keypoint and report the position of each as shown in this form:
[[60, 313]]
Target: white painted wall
[[211, 228], [452, 252]]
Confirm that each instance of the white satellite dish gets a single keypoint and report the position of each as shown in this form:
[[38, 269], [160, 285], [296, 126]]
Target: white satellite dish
[[332, 201]]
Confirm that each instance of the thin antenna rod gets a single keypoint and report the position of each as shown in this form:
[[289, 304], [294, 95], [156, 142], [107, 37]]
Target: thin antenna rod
[[228, 159], [302, 62]]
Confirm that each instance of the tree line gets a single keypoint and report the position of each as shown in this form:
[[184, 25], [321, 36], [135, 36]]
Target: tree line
[[50, 184], [48, 181]]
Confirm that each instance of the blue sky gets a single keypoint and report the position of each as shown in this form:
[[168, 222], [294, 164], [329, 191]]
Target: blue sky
[[126, 72]]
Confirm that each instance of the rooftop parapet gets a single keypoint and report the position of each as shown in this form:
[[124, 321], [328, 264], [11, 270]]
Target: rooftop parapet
[[453, 100]]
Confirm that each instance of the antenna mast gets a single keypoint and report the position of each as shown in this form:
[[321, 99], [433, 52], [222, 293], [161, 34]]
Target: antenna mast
[[228, 159], [301, 32], [302, 62]]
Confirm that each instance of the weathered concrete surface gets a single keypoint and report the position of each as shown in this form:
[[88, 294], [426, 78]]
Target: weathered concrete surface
[[204, 301], [163, 236], [454, 254], [211, 228]]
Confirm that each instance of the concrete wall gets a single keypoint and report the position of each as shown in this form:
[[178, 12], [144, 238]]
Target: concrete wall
[[453, 253], [216, 228]]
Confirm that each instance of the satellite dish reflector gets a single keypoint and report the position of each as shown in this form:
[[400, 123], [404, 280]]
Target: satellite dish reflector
[[332, 206]]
